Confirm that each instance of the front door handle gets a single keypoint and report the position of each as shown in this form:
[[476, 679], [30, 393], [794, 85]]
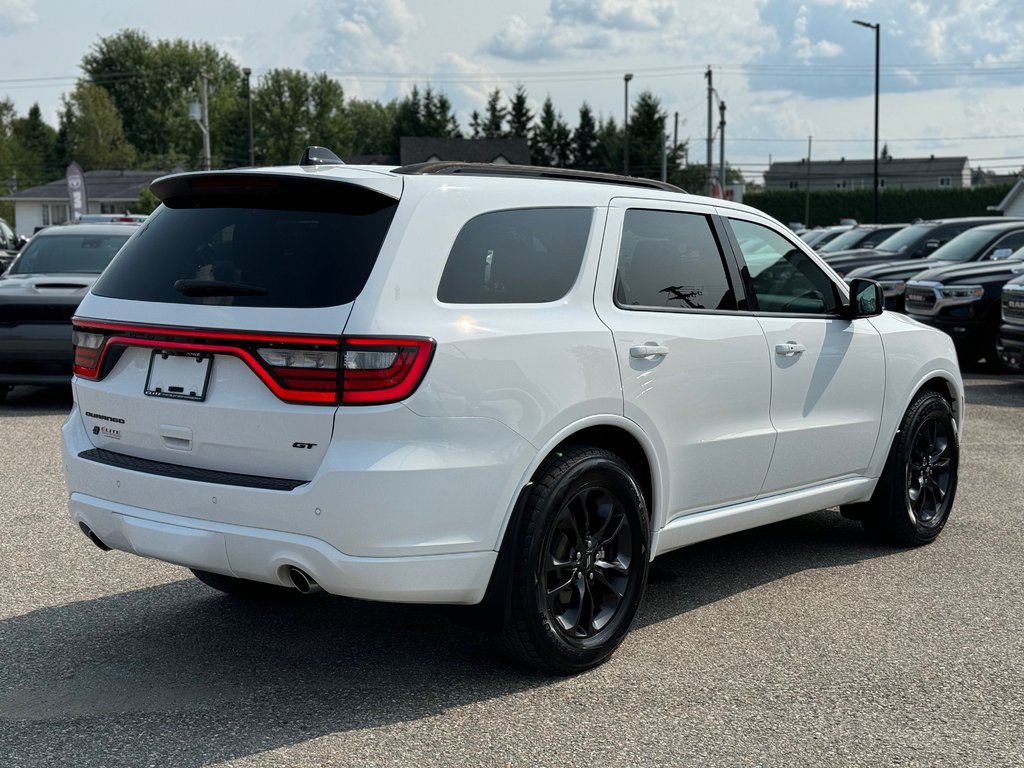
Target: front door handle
[[650, 349], [789, 348]]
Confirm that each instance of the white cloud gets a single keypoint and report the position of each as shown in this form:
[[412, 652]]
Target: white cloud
[[614, 14], [360, 36], [16, 13]]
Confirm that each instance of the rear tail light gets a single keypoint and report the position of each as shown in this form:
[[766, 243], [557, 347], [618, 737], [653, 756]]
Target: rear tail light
[[309, 370], [378, 371], [88, 349]]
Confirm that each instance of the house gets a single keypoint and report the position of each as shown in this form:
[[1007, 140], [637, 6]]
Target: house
[[106, 191], [1013, 203], [424, 149], [893, 173]]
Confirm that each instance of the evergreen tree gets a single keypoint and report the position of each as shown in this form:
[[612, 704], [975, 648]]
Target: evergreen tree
[[584, 140], [494, 123], [519, 115], [551, 139]]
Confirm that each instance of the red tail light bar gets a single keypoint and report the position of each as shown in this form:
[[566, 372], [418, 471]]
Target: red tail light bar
[[315, 370]]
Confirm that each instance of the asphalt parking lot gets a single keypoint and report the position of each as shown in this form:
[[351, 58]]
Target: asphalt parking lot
[[799, 644]]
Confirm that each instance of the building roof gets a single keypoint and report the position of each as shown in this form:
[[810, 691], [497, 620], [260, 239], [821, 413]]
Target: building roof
[[912, 167], [100, 186], [1011, 196]]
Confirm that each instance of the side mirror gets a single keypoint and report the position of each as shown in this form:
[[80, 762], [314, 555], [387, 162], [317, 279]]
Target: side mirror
[[866, 299], [19, 242]]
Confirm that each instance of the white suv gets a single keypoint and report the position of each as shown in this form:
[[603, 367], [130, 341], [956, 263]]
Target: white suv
[[511, 387]]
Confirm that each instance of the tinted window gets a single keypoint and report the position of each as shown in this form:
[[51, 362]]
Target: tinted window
[[671, 259], [783, 278], [294, 250], [78, 253], [519, 256]]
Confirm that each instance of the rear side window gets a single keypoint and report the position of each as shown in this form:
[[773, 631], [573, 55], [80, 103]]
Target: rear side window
[[261, 250], [523, 256]]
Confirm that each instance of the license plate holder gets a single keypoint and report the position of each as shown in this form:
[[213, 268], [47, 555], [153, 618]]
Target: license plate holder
[[179, 375]]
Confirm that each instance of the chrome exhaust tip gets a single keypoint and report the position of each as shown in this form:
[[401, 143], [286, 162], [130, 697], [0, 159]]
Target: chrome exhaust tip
[[93, 537], [302, 581]]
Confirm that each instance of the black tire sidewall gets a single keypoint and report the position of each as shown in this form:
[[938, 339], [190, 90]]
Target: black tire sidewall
[[903, 523], [594, 469]]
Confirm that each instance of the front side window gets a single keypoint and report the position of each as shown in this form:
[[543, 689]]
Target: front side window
[[671, 260], [782, 276], [523, 256]]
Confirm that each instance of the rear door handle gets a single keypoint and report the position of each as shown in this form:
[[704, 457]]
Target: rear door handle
[[650, 349], [789, 348]]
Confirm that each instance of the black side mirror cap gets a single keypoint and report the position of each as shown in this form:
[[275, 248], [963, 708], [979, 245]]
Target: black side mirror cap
[[866, 299]]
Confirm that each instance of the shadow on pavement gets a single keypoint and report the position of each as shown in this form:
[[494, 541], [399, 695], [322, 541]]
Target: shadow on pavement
[[181, 675]]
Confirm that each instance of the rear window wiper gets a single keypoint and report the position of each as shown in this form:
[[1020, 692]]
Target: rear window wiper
[[217, 288]]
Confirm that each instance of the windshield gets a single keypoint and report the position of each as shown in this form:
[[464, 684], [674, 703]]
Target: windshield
[[963, 247], [78, 253], [849, 239], [905, 238]]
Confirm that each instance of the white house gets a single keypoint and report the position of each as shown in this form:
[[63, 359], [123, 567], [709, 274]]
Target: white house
[[106, 192]]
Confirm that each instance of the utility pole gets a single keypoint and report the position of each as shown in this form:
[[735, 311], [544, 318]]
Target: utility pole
[[625, 123], [711, 136], [201, 114], [721, 145], [807, 196], [248, 98]]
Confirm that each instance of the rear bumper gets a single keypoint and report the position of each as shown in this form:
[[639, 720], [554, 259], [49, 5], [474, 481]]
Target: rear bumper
[[262, 555], [378, 521]]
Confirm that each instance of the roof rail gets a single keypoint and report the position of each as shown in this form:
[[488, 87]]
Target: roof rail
[[532, 172]]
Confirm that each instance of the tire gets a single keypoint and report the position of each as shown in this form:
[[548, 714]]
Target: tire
[[581, 560], [914, 495], [244, 588]]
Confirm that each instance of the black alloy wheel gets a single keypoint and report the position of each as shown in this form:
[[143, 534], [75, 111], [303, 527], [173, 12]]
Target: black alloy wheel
[[581, 558], [914, 495]]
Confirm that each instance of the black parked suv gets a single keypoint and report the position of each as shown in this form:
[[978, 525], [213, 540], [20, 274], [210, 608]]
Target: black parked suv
[[964, 301], [1010, 344], [989, 242], [914, 242]]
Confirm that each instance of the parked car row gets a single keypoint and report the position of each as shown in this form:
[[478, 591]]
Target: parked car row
[[948, 274]]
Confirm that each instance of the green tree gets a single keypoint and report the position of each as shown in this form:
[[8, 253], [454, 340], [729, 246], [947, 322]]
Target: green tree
[[282, 101], [584, 140], [94, 133], [151, 85], [520, 118], [551, 139], [647, 137], [608, 153], [328, 124], [39, 141], [372, 126], [493, 126]]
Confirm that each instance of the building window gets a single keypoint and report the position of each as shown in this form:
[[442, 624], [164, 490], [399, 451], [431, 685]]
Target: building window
[[841, 183], [794, 184], [46, 215], [110, 208], [945, 181], [881, 183]]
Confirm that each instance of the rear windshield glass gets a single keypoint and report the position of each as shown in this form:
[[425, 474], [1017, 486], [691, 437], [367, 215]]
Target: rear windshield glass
[[78, 253], [259, 251]]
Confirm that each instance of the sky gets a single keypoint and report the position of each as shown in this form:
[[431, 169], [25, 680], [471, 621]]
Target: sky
[[951, 74]]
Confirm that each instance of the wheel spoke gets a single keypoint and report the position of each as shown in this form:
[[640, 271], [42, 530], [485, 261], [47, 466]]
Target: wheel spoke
[[614, 535]]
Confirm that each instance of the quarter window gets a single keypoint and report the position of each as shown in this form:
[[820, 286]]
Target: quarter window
[[783, 278], [524, 256], [671, 260]]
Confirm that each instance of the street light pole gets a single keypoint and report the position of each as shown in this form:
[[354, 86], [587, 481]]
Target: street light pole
[[877, 28], [248, 98], [625, 124]]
